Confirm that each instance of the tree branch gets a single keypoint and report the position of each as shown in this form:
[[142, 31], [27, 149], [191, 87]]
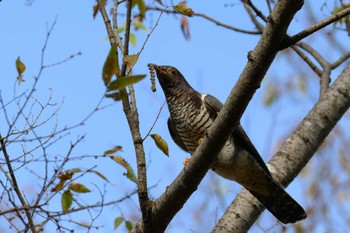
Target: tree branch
[[308, 31], [14, 184], [166, 206], [296, 151]]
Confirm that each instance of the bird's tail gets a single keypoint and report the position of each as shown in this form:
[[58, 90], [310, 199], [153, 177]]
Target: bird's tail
[[281, 204]]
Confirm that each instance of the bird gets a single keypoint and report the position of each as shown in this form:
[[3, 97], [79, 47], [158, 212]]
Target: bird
[[191, 115]]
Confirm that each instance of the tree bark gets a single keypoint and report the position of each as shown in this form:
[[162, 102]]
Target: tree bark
[[296, 151]]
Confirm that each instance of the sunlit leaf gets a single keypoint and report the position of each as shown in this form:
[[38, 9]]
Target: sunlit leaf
[[183, 9], [20, 66], [128, 225], [114, 150], [66, 200], [100, 175], [122, 82], [129, 172], [78, 188], [117, 222], [161, 143], [111, 66]]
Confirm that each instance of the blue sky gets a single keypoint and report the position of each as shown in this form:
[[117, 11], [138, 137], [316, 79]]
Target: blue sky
[[211, 61]]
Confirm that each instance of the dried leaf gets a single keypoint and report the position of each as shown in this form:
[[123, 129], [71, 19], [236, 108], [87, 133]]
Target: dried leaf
[[66, 200], [117, 222], [185, 28], [95, 10], [111, 66], [112, 151], [78, 188], [129, 172], [161, 143], [183, 9], [59, 186], [122, 82]]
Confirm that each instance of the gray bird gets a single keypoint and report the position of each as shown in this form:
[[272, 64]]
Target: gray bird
[[191, 115]]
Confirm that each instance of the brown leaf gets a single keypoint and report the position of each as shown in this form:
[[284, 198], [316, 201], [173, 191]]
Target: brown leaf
[[95, 10], [112, 151], [78, 188]]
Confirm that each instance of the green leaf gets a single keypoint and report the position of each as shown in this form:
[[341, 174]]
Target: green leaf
[[122, 82], [129, 172], [112, 151], [117, 222], [117, 95], [128, 225], [161, 143], [78, 188], [141, 5], [66, 200], [111, 66], [183, 9]]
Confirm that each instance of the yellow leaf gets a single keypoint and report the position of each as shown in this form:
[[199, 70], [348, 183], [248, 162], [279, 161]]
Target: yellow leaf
[[78, 188], [111, 66], [183, 9], [129, 172], [20, 66], [161, 143]]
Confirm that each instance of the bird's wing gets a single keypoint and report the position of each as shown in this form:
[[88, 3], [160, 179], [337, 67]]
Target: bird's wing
[[239, 135], [175, 136]]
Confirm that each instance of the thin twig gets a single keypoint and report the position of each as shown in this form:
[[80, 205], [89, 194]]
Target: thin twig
[[209, 19], [310, 30], [15, 185], [155, 121]]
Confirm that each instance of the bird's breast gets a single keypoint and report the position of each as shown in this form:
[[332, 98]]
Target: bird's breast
[[191, 119]]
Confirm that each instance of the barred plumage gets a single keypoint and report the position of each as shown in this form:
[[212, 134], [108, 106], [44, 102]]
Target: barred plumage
[[191, 115]]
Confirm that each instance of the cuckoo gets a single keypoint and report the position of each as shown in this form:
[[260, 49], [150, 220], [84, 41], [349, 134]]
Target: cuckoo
[[192, 113]]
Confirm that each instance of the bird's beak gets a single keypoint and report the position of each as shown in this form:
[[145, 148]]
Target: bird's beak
[[160, 69]]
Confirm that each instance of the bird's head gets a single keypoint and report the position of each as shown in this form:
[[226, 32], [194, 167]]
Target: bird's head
[[170, 77]]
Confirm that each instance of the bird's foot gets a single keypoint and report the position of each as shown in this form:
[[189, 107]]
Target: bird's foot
[[186, 161]]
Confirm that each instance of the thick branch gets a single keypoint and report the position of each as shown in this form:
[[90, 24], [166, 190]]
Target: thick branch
[[260, 59], [294, 154]]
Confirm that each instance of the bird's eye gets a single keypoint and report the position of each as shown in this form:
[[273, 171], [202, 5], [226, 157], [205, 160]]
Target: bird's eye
[[172, 72]]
